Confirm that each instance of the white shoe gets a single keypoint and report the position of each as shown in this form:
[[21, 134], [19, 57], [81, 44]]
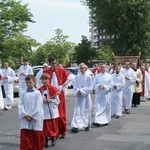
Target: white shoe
[[8, 107]]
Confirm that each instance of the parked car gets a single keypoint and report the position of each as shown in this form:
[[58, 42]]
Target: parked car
[[73, 70], [73, 76], [36, 69]]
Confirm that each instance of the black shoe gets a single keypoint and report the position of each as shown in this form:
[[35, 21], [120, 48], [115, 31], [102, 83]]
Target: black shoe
[[102, 125], [75, 130], [87, 129], [96, 124], [127, 111], [46, 143], [113, 116], [53, 142], [117, 116]]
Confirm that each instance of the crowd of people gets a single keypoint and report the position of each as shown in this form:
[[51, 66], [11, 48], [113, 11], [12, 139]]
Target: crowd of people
[[116, 88], [42, 110]]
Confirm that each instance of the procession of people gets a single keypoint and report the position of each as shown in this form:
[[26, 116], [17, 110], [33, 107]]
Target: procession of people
[[42, 110]]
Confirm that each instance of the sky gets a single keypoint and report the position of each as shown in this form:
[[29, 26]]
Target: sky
[[69, 15]]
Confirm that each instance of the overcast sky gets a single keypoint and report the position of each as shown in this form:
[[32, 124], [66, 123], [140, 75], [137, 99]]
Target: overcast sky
[[68, 15]]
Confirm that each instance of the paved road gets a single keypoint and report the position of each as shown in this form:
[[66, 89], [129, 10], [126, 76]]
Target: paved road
[[130, 132]]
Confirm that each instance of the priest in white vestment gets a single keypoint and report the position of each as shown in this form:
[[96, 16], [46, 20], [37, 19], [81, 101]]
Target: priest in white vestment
[[145, 84], [102, 88], [8, 80], [82, 110], [23, 71], [130, 79], [39, 74], [117, 84]]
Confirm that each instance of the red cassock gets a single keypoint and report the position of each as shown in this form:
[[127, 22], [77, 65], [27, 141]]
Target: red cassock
[[0, 77], [32, 140], [96, 69], [50, 127], [62, 76]]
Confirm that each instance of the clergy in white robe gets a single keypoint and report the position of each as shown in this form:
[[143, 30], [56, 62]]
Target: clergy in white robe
[[83, 104], [39, 74], [145, 84], [117, 84], [23, 71], [1, 95], [30, 111], [102, 88], [8, 80], [130, 79]]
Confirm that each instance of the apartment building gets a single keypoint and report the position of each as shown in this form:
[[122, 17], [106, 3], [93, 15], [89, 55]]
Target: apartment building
[[98, 37]]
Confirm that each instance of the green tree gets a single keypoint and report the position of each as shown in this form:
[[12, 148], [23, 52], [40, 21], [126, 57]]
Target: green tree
[[13, 19], [18, 47], [105, 53], [57, 47], [128, 21], [84, 52]]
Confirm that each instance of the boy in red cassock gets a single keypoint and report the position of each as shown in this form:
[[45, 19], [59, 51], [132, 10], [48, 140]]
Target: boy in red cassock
[[50, 95]]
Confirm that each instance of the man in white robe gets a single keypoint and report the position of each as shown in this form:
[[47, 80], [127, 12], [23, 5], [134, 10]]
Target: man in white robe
[[130, 79], [24, 70], [145, 84], [8, 80], [1, 95], [117, 84], [82, 110], [102, 88], [39, 74]]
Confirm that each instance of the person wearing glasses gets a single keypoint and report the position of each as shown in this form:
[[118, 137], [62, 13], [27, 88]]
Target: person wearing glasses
[[58, 78]]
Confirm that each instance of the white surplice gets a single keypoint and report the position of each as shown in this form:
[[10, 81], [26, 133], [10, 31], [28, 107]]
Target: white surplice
[[30, 103], [8, 85], [83, 103], [27, 70], [146, 86], [38, 80], [54, 82], [50, 109], [1, 95], [128, 88], [116, 94], [102, 98]]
